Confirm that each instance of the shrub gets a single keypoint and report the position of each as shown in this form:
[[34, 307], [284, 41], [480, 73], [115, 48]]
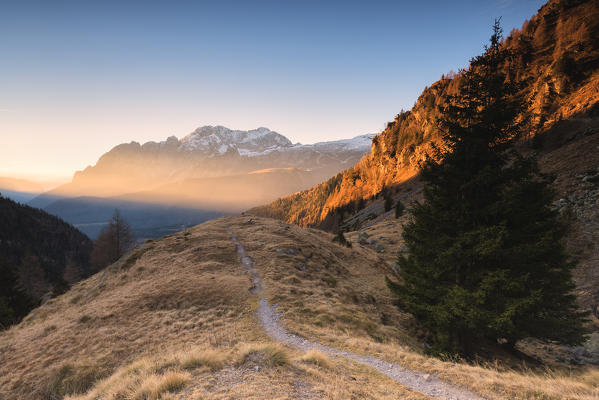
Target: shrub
[[84, 319], [340, 238]]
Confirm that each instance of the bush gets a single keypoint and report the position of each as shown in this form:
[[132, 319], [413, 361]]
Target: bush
[[340, 238], [84, 319]]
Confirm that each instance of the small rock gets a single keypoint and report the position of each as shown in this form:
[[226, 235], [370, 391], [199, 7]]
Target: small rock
[[302, 267], [291, 252]]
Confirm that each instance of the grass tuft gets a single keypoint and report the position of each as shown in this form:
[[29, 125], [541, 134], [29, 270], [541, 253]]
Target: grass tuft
[[84, 318], [210, 359], [317, 358], [155, 386], [271, 355]]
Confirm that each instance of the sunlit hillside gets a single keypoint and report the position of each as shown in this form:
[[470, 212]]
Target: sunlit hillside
[[555, 54]]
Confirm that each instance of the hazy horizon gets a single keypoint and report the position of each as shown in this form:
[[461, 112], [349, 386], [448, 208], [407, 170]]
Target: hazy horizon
[[82, 78]]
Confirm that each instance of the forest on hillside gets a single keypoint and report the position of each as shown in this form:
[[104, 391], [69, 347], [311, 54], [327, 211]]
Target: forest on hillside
[[40, 254]]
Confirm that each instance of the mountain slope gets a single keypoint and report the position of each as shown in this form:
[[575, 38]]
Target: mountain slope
[[177, 318], [40, 248], [556, 54]]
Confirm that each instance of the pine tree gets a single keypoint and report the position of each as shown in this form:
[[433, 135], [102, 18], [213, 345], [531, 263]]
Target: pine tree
[[14, 302], [388, 200], [399, 209], [485, 254]]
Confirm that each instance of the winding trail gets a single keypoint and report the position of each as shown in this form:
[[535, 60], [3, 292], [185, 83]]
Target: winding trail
[[426, 384]]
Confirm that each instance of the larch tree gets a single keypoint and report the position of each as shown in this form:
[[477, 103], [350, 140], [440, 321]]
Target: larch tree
[[113, 241]]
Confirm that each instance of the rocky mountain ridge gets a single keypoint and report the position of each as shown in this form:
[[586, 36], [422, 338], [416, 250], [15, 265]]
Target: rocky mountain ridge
[[207, 152]]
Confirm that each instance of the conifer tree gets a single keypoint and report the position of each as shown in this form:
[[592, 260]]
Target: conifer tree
[[399, 209], [14, 302], [485, 256]]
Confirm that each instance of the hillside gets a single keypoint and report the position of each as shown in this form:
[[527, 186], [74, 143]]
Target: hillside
[[555, 55], [40, 250], [181, 317]]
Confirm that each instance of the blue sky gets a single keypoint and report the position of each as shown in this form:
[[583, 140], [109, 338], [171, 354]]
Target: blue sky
[[78, 77]]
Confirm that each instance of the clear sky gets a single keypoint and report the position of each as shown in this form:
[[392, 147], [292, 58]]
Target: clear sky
[[78, 77]]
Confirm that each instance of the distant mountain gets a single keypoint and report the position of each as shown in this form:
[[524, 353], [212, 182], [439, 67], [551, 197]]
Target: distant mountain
[[39, 250], [207, 152], [213, 171], [19, 190]]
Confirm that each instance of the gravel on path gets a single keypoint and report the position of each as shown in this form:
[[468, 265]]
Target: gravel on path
[[427, 384]]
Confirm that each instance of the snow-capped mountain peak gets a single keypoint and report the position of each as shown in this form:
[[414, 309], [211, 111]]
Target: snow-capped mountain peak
[[219, 140]]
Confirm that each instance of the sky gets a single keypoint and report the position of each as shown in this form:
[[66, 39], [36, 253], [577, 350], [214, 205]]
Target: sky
[[79, 77]]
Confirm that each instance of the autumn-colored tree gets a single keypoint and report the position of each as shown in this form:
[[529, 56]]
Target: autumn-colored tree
[[112, 242]]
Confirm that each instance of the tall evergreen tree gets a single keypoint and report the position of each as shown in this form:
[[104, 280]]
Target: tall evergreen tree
[[486, 258], [14, 302]]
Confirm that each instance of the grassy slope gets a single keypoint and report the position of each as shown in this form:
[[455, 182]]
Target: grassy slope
[[177, 319]]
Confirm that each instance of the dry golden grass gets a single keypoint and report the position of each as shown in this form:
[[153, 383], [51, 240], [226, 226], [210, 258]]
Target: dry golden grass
[[209, 358], [272, 355], [179, 322], [357, 312], [184, 290], [317, 358]]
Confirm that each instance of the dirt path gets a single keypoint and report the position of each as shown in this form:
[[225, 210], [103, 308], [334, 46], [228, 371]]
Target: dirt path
[[415, 380]]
